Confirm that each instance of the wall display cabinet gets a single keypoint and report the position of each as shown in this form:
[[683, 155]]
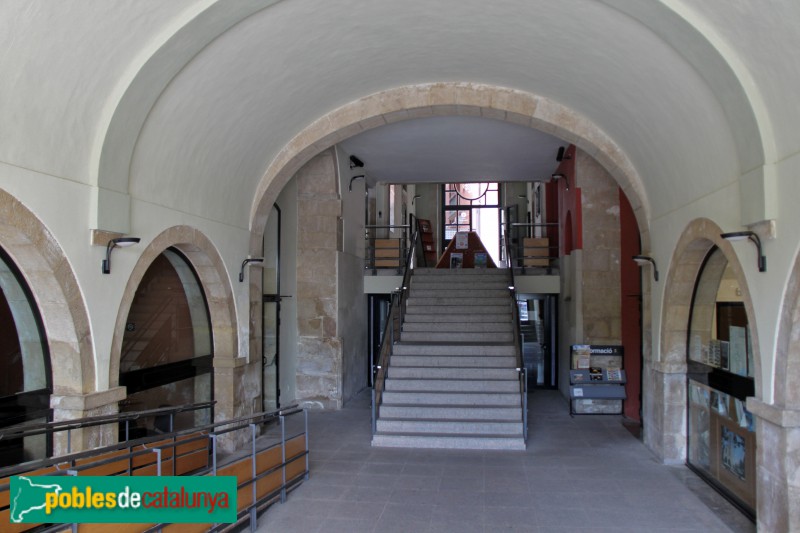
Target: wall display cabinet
[[721, 432]]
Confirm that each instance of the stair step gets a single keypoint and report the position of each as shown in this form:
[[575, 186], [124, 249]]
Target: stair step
[[451, 398], [453, 442], [464, 426], [458, 284], [452, 385], [446, 361], [446, 336], [424, 412], [428, 372], [459, 301], [464, 272], [467, 293], [454, 327], [459, 310], [454, 348], [472, 318]]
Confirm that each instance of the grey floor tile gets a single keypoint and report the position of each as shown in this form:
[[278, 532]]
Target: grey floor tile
[[578, 474]]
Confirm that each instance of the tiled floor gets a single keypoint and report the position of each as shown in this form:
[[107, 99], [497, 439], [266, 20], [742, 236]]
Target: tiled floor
[[586, 473]]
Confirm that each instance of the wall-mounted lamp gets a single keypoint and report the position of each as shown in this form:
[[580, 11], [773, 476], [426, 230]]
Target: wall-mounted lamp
[[258, 260], [559, 177], [643, 260], [121, 242], [350, 186], [415, 197], [355, 162], [749, 235]]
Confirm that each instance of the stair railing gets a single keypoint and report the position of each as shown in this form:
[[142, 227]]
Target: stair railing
[[522, 372], [394, 324]]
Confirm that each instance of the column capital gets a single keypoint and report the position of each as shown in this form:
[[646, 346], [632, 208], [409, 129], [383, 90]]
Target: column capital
[[780, 416], [76, 401]]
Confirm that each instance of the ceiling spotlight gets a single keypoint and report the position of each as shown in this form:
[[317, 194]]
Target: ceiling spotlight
[[561, 176], [645, 260], [121, 242], [749, 235], [355, 162]]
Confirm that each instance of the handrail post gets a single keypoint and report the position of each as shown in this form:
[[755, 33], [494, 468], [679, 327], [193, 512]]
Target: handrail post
[[305, 434], [214, 453], [157, 451], [374, 420], [283, 458], [253, 506]]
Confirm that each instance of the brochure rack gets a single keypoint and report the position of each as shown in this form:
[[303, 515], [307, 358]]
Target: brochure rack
[[596, 380]]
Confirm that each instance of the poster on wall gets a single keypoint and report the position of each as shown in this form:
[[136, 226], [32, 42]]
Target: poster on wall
[[738, 350], [733, 452]]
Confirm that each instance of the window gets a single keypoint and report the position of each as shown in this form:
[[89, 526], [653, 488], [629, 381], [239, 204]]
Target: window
[[25, 378], [473, 207], [167, 354], [722, 439]]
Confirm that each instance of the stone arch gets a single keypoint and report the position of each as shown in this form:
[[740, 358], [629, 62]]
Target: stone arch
[[666, 407], [693, 246], [454, 99], [208, 264], [48, 273], [787, 348]]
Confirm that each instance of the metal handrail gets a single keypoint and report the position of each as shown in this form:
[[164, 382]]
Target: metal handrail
[[39, 428], [552, 248], [370, 257], [69, 466], [521, 370], [394, 322], [232, 425]]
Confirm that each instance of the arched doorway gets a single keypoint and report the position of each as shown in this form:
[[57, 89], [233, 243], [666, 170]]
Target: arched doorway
[[25, 376], [167, 349], [720, 377]]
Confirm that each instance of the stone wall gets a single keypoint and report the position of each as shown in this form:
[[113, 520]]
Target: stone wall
[[601, 248], [319, 349]]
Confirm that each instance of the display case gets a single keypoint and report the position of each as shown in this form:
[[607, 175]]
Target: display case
[[721, 432]]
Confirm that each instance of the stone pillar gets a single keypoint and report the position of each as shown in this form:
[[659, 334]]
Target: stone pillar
[[602, 312], [664, 410], [69, 406], [236, 389], [777, 466], [319, 350]]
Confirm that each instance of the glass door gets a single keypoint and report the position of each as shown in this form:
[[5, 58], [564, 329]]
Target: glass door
[[538, 326]]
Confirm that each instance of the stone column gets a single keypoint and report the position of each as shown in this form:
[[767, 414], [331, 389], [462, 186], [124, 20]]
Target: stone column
[[319, 350], [236, 390], [777, 466], [69, 406], [664, 410]]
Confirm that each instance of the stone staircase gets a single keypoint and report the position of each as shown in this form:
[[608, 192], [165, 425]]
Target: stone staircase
[[452, 380]]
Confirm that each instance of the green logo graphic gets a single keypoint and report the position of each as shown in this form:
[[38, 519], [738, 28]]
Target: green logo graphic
[[122, 499]]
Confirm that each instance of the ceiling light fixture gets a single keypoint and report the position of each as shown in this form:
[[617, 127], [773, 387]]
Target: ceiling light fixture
[[559, 177], [642, 260], [355, 162], [121, 242], [259, 261], [748, 235]]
